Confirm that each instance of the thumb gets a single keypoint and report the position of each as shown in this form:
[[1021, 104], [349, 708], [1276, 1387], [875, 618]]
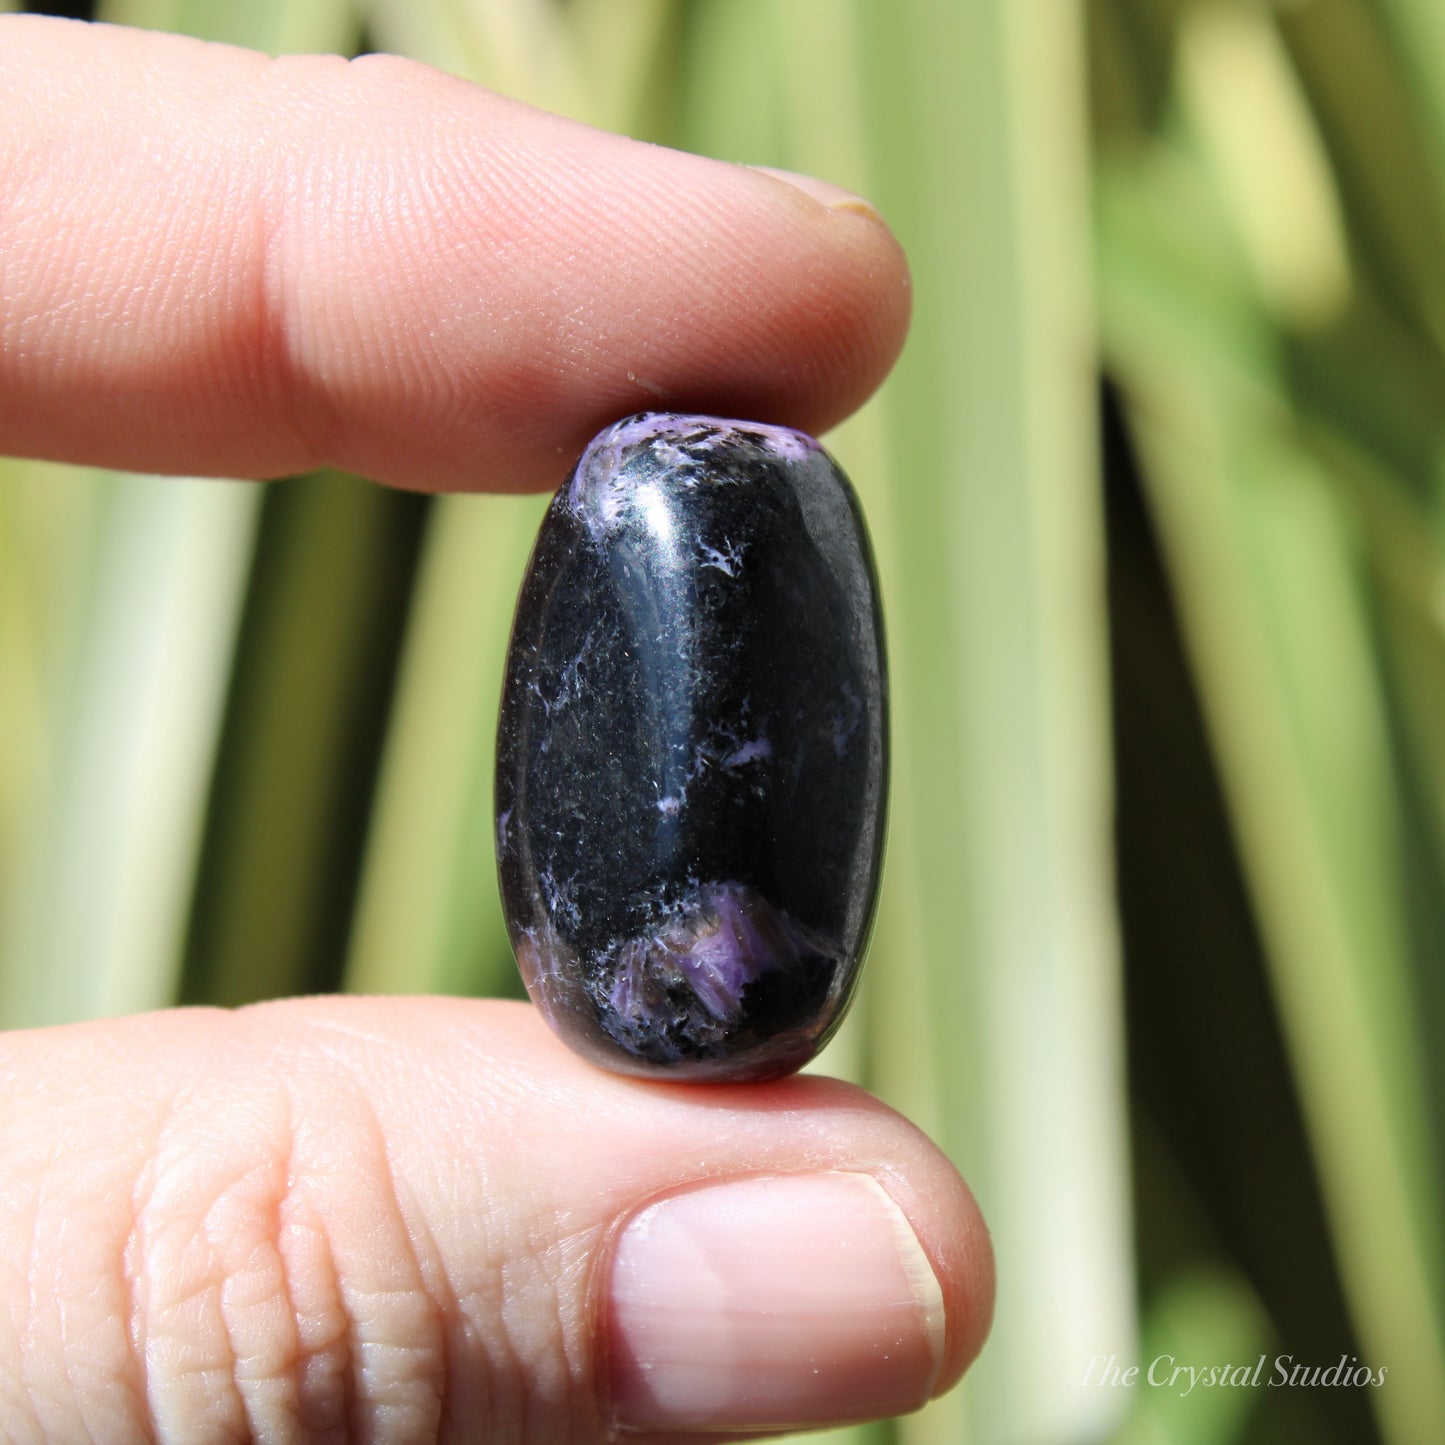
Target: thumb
[[404, 1220]]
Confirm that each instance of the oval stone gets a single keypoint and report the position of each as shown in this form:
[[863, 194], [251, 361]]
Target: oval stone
[[692, 756]]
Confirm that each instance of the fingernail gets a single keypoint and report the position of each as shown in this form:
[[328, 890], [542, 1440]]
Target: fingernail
[[834, 197], [775, 1303]]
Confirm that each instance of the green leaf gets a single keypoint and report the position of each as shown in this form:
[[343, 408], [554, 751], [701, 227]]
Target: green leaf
[[309, 703], [999, 845], [429, 915], [124, 596], [279, 27]]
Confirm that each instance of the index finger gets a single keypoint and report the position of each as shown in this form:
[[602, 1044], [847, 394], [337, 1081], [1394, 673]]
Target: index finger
[[213, 262]]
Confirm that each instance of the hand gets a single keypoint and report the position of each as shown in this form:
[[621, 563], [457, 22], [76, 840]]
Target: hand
[[400, 1220]]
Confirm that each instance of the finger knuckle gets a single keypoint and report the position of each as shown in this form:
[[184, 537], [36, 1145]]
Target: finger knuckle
[[274, 1293]]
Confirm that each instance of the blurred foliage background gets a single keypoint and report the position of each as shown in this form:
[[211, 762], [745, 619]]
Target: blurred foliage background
[[1159, 495]]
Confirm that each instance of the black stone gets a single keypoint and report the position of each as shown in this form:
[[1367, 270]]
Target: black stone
[[692, 757]]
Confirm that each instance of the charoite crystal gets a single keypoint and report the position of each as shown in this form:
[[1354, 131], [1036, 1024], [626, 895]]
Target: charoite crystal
[[692, 758]]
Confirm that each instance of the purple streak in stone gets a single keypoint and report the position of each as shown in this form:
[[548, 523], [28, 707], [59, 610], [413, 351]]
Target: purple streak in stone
[[712, 950], [692, 752]]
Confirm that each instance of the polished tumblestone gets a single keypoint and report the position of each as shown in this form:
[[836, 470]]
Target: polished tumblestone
[[692, 757]]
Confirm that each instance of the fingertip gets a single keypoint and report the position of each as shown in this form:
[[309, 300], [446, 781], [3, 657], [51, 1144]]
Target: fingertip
[[791, 1302], [721, 289], [382, 267], [951, 1231], [771, 1302], [842, 308], [833, 197], [967, 1274]]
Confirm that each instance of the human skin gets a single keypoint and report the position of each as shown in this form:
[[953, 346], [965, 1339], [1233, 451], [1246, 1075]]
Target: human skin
[[400, 1220]]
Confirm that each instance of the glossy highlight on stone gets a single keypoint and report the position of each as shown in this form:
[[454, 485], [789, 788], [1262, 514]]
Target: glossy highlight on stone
[[692, 756]]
